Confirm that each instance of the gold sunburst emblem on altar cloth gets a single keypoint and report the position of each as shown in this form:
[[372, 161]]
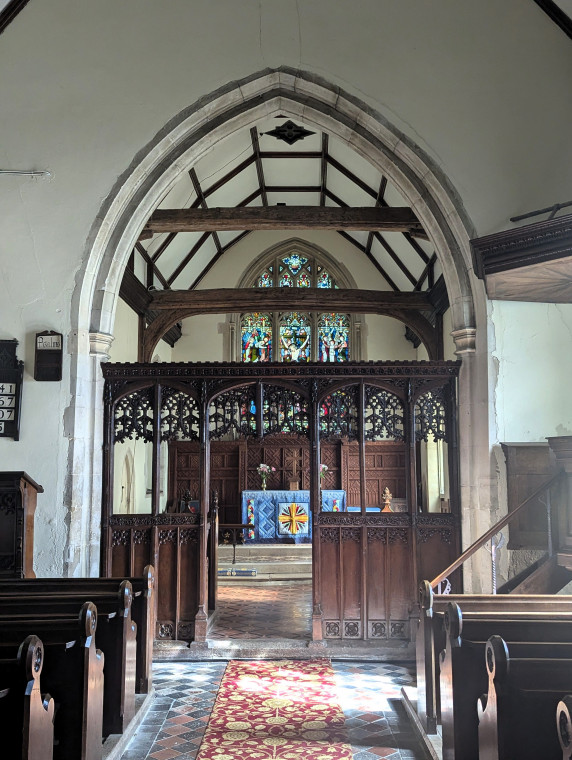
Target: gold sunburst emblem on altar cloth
[[293, 519]]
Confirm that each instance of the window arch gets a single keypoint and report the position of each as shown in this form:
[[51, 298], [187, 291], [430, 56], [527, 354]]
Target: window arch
[[296, 336]]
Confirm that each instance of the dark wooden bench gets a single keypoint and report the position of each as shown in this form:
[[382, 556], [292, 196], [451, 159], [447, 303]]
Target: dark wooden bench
[[564, 726], [116, 637], [430, 639], [73, 673], [517, 715], [27, 716], [142, 610], [463, 676]]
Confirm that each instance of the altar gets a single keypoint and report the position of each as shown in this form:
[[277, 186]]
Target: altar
[[284, 516]]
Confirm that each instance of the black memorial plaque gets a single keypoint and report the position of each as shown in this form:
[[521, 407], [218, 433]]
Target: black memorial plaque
[[11, 378]]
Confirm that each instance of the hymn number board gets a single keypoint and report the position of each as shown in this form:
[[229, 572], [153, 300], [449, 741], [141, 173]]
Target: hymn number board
[[11, 377]]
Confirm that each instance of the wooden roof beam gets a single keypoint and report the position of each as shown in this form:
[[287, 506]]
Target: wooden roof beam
[[395, 219], [219, 300], [371, 257]]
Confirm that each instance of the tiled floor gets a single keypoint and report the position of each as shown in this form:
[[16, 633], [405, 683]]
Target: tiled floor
[[264, 611], [369, 696]]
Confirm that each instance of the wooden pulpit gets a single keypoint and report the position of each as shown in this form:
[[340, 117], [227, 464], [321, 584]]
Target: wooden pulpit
[[18, 494]]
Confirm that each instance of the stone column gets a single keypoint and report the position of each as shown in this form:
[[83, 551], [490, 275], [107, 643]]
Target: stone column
[[83, 426]]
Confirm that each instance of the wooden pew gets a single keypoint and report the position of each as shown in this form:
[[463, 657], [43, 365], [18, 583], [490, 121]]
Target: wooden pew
[[73, 673], [463, 677], [564, 726], [430, 639], [143, 609], [516, 716], [27, 717], [116, 637]]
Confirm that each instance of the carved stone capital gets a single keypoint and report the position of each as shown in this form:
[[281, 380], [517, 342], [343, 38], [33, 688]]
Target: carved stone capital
[[100, 344], [465, 340]]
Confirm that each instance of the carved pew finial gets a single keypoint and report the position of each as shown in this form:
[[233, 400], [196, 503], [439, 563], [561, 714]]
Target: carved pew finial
[[564, 726], [38, 732]]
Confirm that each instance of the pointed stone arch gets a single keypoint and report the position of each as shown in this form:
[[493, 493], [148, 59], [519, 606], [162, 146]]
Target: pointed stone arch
[[179, 145]]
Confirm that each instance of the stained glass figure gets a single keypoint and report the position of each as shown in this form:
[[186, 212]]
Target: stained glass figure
[[265, 280], [333, 337], [294, 262], [324, 280], [304, 280], [286, 280], [256, 334], [295, 334]]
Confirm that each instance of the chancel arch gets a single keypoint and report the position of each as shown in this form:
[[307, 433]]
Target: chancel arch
[[140, 191]]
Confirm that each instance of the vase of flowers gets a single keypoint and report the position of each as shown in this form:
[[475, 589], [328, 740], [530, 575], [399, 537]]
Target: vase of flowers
[[264, 471], [323, 471]]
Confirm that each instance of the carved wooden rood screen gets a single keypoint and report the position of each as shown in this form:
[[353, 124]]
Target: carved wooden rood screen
[[174, 433]]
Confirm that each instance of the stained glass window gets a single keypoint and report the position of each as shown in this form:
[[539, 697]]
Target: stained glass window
[[256, 335], [333, 337], [265, 280], [295, 333], [294, 262], [297, 336]]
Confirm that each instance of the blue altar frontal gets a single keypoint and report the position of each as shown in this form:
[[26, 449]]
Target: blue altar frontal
[[284, 516]]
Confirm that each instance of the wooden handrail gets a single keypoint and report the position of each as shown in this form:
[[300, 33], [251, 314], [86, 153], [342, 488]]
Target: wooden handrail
[[493, 531]]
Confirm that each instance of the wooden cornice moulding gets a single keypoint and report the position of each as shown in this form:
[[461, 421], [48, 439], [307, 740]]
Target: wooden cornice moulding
[[523, 246], [376, 218]]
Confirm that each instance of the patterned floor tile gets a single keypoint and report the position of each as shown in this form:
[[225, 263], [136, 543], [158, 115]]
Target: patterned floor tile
[[368, 692]]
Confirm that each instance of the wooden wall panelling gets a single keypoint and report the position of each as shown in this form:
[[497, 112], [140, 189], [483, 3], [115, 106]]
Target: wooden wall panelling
[[187, 560], [120, 541], [351, 582], [437, 545], [330, 581], [376, 589], [400, 581], [167, 576], [528, 465]]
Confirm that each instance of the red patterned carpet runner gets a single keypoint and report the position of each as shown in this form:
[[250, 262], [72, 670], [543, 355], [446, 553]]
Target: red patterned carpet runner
[[276, 710]]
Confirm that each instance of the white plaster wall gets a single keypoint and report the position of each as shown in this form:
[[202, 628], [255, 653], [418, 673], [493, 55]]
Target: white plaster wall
[[202, 339], [533, 348], [125, 331], [385, 340]]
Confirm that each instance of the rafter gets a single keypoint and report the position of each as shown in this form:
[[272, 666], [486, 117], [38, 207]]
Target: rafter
[[194, 250], [426, 272], [216, 257], [371, 257], [259, 169], [151, 266], [203, 203], [324, 169]]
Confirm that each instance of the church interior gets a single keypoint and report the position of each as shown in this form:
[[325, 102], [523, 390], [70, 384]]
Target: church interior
[[285, 319]]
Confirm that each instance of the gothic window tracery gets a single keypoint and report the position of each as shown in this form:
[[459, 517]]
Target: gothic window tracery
[[295, 336], [430, 416], [339, 414], [383, 415], [233, 414], [133, 416], [285, 411]]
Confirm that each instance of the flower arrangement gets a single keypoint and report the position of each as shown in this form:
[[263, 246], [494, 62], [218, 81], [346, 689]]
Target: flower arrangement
[[264, 470], [323, 471]]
